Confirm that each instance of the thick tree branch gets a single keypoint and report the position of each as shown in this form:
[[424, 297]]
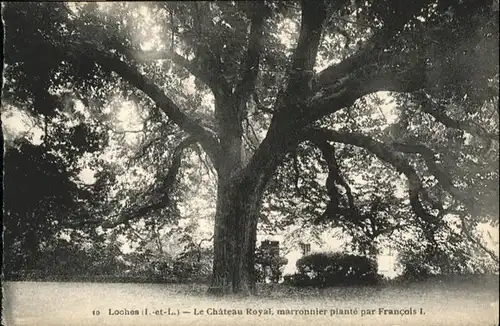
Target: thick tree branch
[[370, 50], [392, 60], [384, 153], [215, 82], [384, 75], [89, 51], [441, 176], [334, 175], [160, 197], [207, 65], [438, 112], [304, 59], [204, 73], [250, 64], [289, 105]]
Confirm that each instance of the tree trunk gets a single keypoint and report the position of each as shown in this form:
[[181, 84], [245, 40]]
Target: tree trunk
[[238, 206], [239, 195]]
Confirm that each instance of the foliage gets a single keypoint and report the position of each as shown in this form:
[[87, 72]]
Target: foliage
[[62, 260], [420, 259], [334, 268], [373, 118], [183, 268], [194, 265], [175, 256], [40, 195], [298, 280]]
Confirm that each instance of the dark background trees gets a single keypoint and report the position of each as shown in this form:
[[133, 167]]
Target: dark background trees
[[267, 96]]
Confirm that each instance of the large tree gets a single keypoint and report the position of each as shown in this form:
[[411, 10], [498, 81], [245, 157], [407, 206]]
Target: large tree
[[282, 76]]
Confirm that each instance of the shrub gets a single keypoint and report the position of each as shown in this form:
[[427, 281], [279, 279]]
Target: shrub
[[413, 271], [189, 266], [186, 270], [329, 269], [421, 259], [299, 280]]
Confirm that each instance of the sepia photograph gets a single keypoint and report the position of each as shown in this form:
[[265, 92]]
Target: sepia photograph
[[277, 162]]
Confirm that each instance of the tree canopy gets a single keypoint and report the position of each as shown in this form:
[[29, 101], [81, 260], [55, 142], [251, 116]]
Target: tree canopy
[[378, 118]]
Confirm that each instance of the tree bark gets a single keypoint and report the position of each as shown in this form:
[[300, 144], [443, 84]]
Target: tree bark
[[239, 198], [235, 232]]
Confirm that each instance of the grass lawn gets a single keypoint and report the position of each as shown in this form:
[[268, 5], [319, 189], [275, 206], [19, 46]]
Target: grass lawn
[[430, 303]]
